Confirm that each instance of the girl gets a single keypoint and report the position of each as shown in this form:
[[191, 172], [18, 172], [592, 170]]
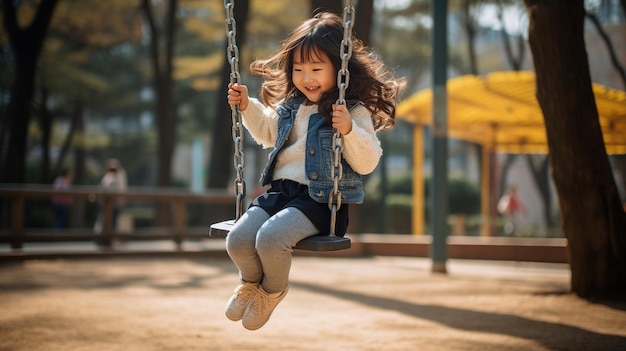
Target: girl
[[296, 115]]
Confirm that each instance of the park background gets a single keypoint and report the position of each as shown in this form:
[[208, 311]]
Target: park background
[[143, 82]]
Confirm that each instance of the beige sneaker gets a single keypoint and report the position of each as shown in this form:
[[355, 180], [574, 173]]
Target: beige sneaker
[[241, 298], [260, 309]]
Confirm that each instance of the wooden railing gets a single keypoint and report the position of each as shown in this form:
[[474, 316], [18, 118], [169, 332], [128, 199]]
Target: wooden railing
[[14, 197]]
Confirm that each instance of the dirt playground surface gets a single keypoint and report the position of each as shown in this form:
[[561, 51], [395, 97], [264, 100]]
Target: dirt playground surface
[[376, 303]]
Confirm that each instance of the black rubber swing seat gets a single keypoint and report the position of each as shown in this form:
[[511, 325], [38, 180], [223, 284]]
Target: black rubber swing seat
[[320, 242]]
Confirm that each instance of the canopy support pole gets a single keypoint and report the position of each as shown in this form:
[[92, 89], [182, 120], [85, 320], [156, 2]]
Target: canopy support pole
[[439, 195], [418, 180], [485, 191]]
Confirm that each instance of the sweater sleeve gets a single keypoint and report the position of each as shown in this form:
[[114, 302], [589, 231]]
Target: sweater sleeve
[[361, 147], [261, 122]]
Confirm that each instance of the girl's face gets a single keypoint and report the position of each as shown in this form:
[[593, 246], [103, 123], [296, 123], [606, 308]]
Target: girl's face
[[313, 75]]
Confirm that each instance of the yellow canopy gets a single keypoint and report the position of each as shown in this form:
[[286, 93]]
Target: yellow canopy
[[500, 111]]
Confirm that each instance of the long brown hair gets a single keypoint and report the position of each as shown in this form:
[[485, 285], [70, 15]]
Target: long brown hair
[[371, 82]]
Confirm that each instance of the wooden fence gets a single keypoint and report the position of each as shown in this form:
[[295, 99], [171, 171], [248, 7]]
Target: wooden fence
[[13, 198], [220, 205]]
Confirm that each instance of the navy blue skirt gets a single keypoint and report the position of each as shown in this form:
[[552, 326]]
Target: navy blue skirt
[[287, 193]]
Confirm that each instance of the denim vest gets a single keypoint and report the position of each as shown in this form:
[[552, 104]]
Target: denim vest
[[319, 157]]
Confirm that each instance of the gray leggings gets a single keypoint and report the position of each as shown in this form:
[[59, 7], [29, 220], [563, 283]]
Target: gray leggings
[[261, 246]]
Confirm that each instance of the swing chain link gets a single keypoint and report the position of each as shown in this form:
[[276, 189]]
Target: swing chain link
[[232, 54], [343, 81], [345, 53]]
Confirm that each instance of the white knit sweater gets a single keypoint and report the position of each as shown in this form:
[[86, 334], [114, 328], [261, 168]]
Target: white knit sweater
[[361, 147]]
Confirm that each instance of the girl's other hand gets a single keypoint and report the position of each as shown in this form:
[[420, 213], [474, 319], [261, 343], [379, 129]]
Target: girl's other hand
[[238, 95], [342, 121]]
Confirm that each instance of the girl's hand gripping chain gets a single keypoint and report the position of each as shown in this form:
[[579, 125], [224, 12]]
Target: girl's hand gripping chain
[[238, 95], [341, 119]]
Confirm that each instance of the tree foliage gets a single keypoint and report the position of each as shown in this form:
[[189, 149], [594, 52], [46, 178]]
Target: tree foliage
[[95, 56]]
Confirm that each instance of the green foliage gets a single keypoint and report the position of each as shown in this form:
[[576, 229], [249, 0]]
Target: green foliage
[[463, 196], [396, 184], [399, 209], [396, 211]]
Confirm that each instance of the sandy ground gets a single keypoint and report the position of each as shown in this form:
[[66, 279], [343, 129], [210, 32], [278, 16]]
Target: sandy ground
[[379, 303]]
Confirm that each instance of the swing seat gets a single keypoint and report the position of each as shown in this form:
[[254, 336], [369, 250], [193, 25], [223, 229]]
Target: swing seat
[[320, 242]]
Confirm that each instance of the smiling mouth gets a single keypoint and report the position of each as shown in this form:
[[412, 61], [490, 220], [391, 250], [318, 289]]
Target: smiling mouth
[[312, 89]]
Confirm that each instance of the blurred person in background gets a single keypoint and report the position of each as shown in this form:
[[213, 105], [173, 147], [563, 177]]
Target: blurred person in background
[[511, 207], [61, 203], [114, 180]]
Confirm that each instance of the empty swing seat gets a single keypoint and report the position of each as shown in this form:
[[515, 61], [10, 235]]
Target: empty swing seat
[[320, 242]]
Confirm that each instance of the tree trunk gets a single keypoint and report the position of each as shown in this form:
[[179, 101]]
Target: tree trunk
[[592, 215], [363, 21], [26, 44], [67, 143], [609, 47], [506, 166], [222, 148], [45, 123], [540, 177], [77, 133], [470, 31], [162, 68], [619, 162], [335, 6], [515, 60]]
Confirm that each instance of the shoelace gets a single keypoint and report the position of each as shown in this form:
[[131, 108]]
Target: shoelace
[[261, 303], [245, 292]]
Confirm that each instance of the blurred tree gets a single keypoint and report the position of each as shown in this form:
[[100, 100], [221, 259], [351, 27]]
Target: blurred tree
[[468, 14], [363, 21], [161, 59], [540, 171], [45, 122], [222, 129], [326, 5], [74, 76], [537, 164], [402, 39], [26, 43], [515, 59], [162, 67], [609, 46], [593, 219]]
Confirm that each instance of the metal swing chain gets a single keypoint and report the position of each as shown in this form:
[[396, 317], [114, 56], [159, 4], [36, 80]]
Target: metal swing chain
[[232, 53], [343, 81]]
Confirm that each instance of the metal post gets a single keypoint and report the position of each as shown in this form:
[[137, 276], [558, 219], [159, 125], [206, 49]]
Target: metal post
[[439, 193], [17, 241], [106, 239], [382, 206], [181, 222]]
